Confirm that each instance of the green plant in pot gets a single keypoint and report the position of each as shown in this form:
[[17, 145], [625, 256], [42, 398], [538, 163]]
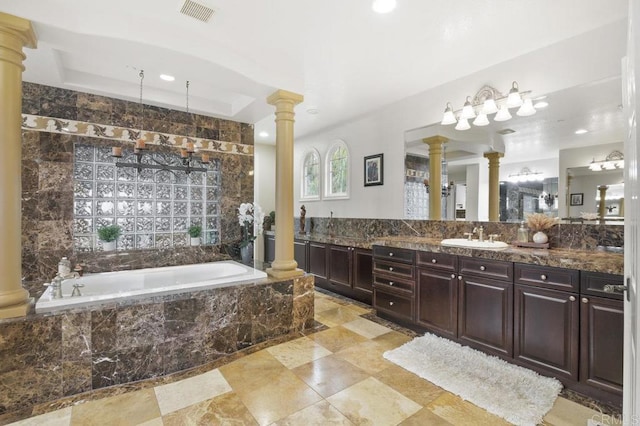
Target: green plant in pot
[[108, 235], [195, 231], [272, 215]]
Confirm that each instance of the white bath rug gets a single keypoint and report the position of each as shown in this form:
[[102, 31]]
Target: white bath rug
[[518, 395]]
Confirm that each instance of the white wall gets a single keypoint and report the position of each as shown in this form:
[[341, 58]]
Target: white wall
[[264, 186], [590, 57]]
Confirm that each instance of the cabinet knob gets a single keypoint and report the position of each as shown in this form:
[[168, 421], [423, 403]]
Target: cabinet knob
[[390, 282], [390, 254], [585, 300], [482, 268], [543, 277], [390, 268], [572, 298], [453, 275], [390, 303], [460, 277], [434, 261]]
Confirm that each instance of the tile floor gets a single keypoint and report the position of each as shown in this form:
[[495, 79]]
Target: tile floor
[[332, 377]]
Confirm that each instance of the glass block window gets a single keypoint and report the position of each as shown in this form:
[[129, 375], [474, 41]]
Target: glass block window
[[153, 207], [337, 175], [311, 176]]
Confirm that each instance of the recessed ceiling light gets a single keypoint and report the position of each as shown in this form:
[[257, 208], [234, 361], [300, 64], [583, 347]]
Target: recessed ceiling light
[[581, 131], [312, 110], [167, 77], [383, 6], [540, 104], [263, 134]]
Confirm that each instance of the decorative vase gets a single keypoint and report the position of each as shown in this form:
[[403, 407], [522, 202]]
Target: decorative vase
[[246, 253], [540, 237], [108, 245], [195, 241]]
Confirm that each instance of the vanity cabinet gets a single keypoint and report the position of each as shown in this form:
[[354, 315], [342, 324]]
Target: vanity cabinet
[[350, 272], [601, 332], [547, 314], [394, 282], [299, 251], [317, 262], [485, 305], [437, 293]]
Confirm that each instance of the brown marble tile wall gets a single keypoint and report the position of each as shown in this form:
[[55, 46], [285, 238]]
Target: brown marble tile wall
[[566, 236], [47, 184], [49, 356]]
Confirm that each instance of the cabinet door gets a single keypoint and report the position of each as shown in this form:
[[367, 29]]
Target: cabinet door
[[486, 314], [318, 262], [437, 301], [269, 248], [601, 343], [363, 271], [546, 330], [300, 254], [340, 266]]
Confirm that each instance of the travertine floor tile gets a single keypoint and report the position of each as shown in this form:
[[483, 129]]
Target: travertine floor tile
[[155, 422], [330, 374], [373, 402], [366, 328], [459, 412], [297, 352], [425, 417], [175, 396], [367, 356], [324, 304], [252, 371], [226, 409], [55, 418], [569, 413], [359, 309], [337, 316], [391, 340], [318, 414], [410, 385], [130, 408], [337, 338]]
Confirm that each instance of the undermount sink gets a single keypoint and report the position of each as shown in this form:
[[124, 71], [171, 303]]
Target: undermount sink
[[477, 244]]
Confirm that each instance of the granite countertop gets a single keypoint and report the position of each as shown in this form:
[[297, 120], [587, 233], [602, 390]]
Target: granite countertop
[[585, 260]]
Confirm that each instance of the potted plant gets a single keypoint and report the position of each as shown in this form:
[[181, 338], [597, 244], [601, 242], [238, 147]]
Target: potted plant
[[272, 216], [108, 235], [195, 231], [250, 217]]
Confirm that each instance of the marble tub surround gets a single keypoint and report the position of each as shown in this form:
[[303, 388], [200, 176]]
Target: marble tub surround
[[47, 170], [50, 356]]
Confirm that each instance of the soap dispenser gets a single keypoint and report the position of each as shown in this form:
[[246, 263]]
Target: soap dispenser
[[523, 233]]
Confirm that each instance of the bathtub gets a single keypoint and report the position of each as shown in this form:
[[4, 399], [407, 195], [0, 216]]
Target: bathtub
[[112, 286]]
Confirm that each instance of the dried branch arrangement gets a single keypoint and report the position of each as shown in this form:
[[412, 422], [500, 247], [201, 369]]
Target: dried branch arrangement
[[540, 222]]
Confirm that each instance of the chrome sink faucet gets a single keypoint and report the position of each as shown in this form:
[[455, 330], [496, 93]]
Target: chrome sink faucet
[[56, 287], [480, 231]]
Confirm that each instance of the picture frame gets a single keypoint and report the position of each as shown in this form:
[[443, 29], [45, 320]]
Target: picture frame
[[374, 170], [576, 199]]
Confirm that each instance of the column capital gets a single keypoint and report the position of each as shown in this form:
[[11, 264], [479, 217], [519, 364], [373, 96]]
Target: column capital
[[435, 140], [19, 27], [284, 96], [493, 155]]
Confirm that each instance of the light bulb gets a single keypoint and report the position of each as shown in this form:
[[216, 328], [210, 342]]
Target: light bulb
[[503, 114], [514, 99], [481, 120], [489, 107], [526, 109], [463, 124], [467, 110], [448, 117], [383, 6]]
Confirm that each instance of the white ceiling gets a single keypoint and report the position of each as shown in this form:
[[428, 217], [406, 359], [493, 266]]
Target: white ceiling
[[345, 59]]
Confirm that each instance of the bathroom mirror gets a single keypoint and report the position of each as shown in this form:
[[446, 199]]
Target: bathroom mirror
[[535, 141], [587, 185]]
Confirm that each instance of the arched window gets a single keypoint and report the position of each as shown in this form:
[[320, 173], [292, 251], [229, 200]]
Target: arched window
[[310, 188], [337, 175]]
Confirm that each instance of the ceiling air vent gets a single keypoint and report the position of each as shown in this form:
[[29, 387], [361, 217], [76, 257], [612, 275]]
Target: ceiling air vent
[[196, 10], [506, 131]]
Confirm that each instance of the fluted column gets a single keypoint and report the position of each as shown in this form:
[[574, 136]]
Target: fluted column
[[15, 33], [494, 184], [284, 265], [435, 175]]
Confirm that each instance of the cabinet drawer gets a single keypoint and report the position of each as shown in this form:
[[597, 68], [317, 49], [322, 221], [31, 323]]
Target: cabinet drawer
[[394, 253], [393, 304], [441, 261], [548, 277], [386, 282], [393, 269], [593, 283], [496, 269]]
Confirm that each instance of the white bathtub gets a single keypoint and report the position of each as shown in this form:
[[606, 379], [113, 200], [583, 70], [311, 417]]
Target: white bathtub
[[111, 286]]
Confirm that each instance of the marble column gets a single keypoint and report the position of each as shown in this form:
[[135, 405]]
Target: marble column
[[15, 34], [494, 184], [435, 175], [603, 202], [284, 265]]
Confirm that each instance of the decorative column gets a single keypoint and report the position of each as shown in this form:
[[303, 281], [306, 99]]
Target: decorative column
[[494, 184], [435, 175], [603, 202], [15, 33], [284, 265]]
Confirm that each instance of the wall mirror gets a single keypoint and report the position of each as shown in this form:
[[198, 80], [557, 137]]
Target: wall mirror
[[533, 142]]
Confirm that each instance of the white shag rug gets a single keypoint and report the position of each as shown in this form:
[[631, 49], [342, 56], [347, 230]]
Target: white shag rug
[[518, 395]]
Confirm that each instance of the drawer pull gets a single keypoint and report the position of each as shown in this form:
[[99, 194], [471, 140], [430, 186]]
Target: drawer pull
[[434, 261], [482, 268], [390, 282], [585, 300], [612, 288], [572, 298], [390, 254], [543, 277], [390, 303], [390, 268]]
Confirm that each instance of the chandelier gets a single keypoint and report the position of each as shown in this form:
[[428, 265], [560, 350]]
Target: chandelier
[[549, 199], [489, 101], [615, 160]]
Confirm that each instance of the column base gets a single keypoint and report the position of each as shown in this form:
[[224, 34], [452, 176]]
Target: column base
[[280, 274], [15, 311]]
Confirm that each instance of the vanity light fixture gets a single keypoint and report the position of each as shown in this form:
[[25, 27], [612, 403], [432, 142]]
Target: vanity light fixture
[[488, 101], [526, 175], [613, 161], [549, 199]]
